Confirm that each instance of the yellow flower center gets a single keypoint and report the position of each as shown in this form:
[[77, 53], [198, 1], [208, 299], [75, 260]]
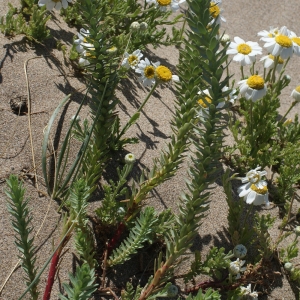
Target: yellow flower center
[[88, 54], [149, 72], [202, 103], [280, 60], [244, 49], [283, 41], [298, 88], [296, 40], [112, 49], [256, 82], [214, 10], [261, 191], [132, 60], [163, 73], [164, 2]]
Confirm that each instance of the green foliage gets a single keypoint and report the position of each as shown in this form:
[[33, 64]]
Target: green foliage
[[111, 210], [255, 136], [215, 262], [130, 293], [289, 170], [238, 227], [82, 284], [290, 252], [18, 208], [34, 29], [209, 294], [261, 226], [138, 235], [12, 23]]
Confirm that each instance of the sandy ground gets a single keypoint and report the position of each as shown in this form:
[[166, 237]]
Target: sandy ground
[[48, 87]]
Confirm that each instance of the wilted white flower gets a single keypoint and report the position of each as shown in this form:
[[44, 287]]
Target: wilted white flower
[[245, 52], [132, 60], [81, 43], [255, 190], [135, 26], [253, 88], [247, 292], [269, 62], [279, 44], [57, 4], [130, 159], [240, 251], [164, 4], [296, 93], [231, 97], [236, 267]]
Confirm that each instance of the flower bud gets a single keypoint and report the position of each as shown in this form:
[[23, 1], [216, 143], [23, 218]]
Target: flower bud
[[143, 26], [172, 291], [288, 266], [121, 211], [239, 251], [296, 93], [112, 50], [129, 159], [77, 119], [297, 230], [225, 39], [287, 78], [135, 26]]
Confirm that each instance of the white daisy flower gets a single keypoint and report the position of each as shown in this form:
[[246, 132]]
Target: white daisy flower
[[164, 4], [255, 189], [296, 43], [132, 60], [130, 159], [245, 52], [296, 93], [215, 11], [83, 61], [163, 75], [269, 62], [236, 267], [271, 33], [204, 102], [253, 88], [280, 44], [152, 73], [147, 71], [57, 4], [81, 43]]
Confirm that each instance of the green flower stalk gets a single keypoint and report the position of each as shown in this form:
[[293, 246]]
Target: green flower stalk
[[207, 138], [21, 219]]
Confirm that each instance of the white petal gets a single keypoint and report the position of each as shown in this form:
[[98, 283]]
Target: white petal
[[50, 5], [238, 40], [250, 197]]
